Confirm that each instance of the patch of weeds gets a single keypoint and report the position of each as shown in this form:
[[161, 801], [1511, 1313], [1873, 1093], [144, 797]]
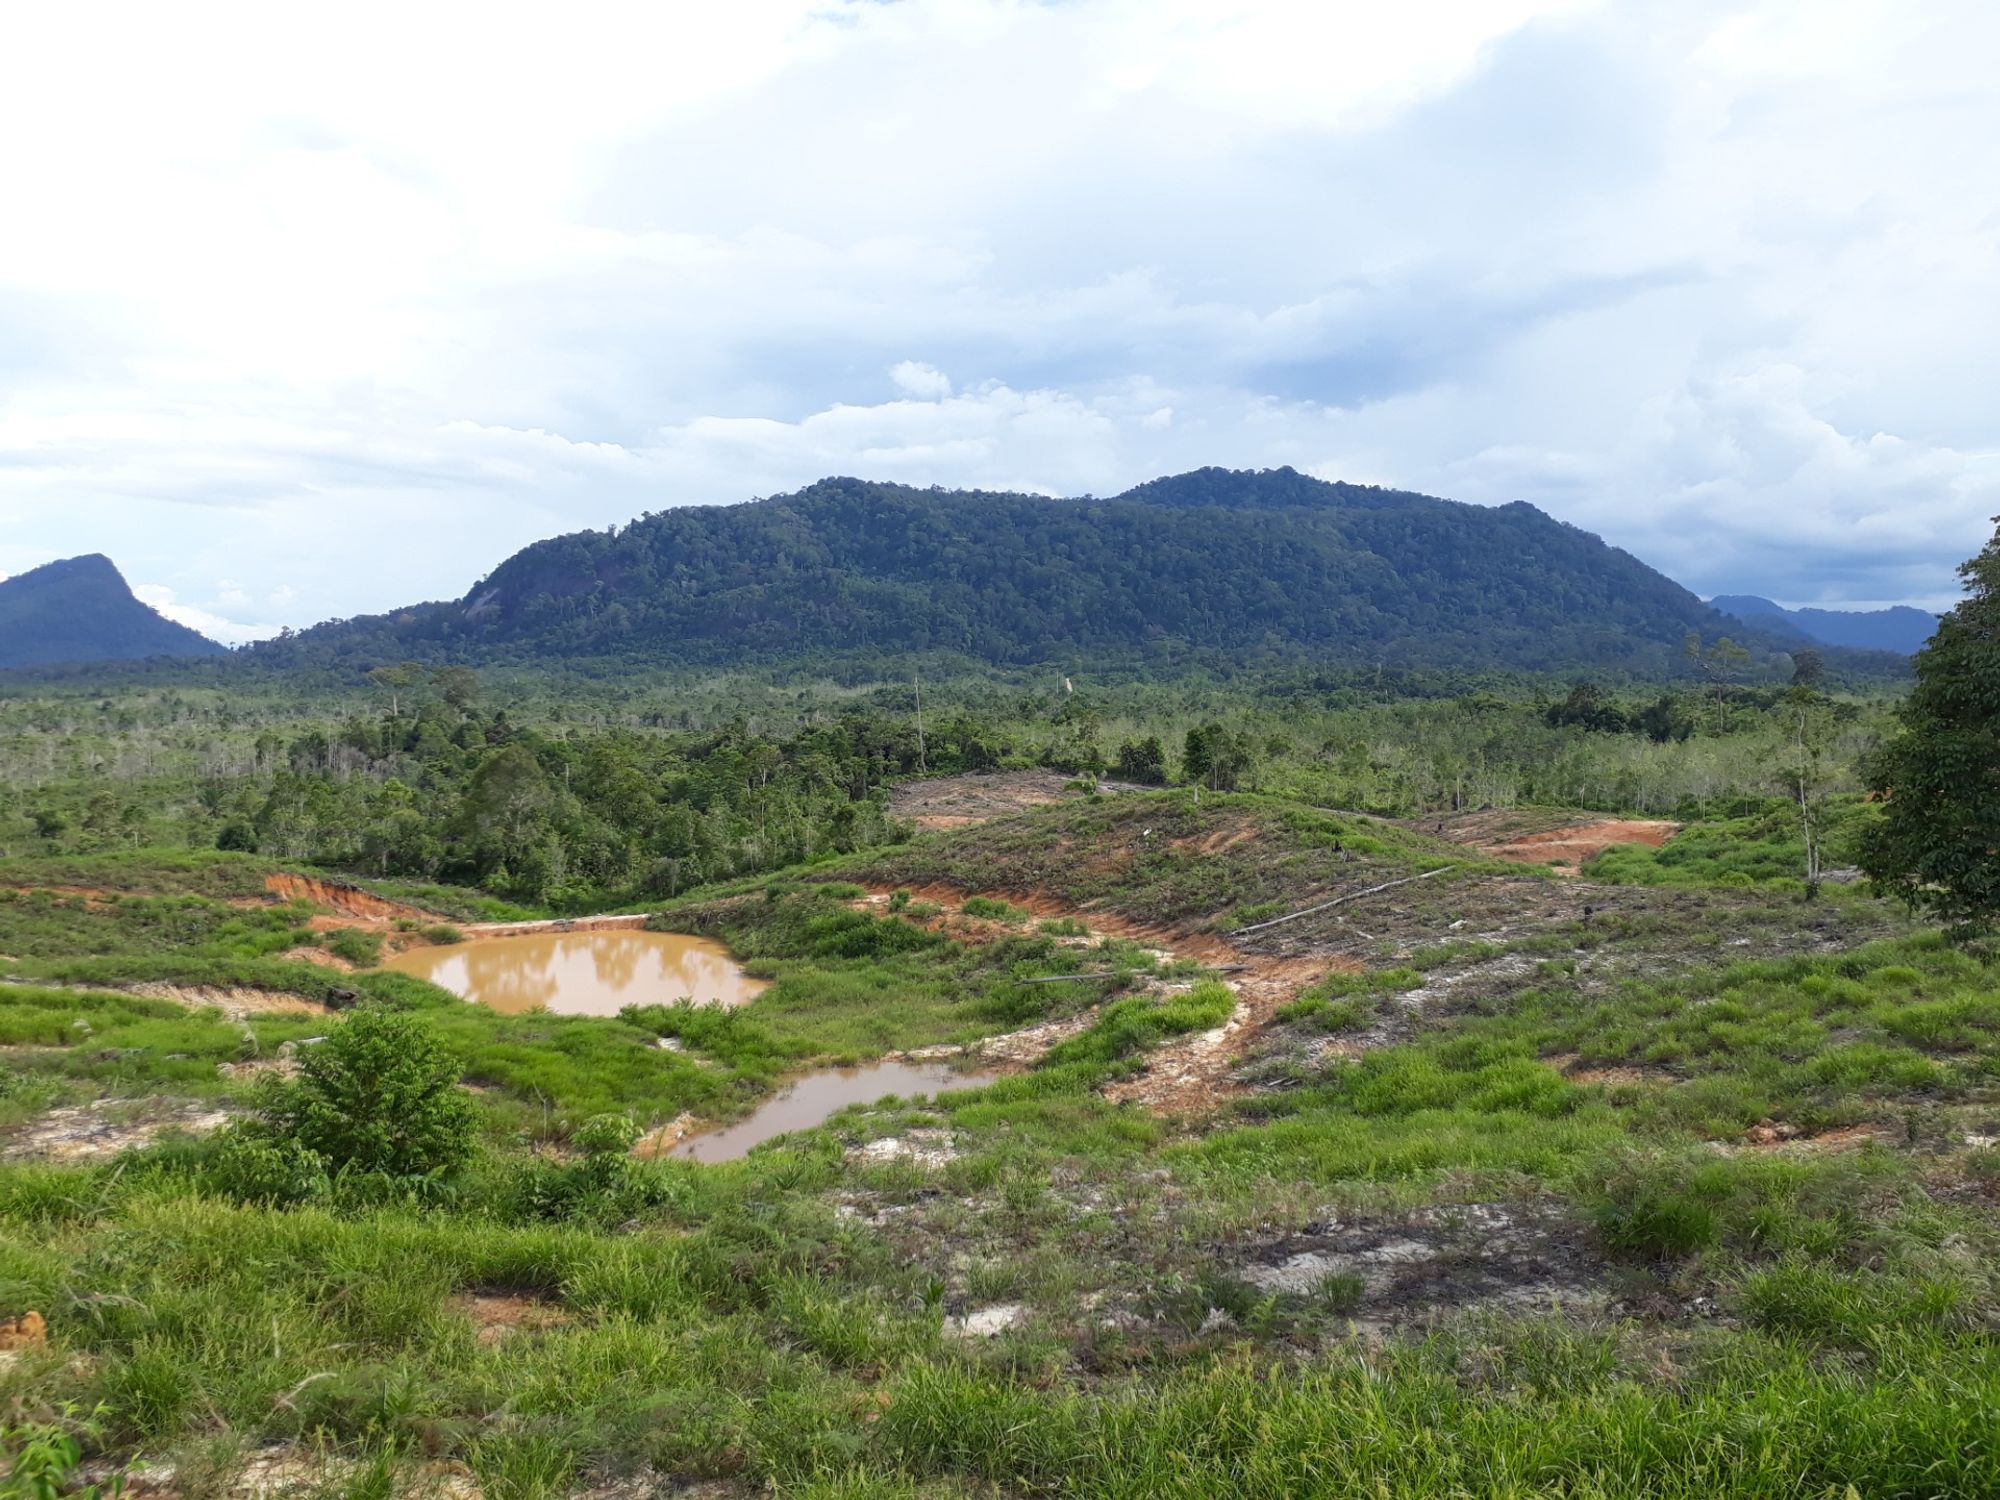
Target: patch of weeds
[[989, 909], [361, 948]]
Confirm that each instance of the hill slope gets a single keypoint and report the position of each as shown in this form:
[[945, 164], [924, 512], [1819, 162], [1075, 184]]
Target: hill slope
[[1901, 629], [80, 609], [1247, 565]]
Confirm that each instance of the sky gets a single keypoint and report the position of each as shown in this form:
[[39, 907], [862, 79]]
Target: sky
[[308, 312]]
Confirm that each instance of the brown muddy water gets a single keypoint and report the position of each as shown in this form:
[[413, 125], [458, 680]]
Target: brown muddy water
[[809, 1100], [583, 973]]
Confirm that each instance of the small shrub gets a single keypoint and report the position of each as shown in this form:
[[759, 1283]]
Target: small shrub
[[606, 1135], [899, 901], [444, 934], [255, 1168], [380, 1094]]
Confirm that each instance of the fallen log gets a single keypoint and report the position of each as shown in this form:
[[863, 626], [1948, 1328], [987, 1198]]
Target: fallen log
[[1341, 900], [1114, 973]]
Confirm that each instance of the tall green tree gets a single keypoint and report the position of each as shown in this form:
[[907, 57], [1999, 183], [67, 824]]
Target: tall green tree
[[1938, 841]]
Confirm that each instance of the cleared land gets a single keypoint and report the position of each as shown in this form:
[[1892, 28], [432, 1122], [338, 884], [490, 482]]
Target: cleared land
[[1492, 1182]]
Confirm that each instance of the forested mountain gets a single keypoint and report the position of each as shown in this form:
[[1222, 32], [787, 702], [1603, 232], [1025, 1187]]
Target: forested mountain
[[1245, 566], [79, 610], [1901, 629]]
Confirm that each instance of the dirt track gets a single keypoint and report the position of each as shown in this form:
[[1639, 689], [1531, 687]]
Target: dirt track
[[1187, 1075]]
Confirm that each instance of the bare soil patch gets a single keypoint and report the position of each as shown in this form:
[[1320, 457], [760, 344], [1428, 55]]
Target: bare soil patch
[[92, 1132], [1534, 836], [981, 796], [232, 1002], [1786, 1139], [498, 1316], [1416, 1268]]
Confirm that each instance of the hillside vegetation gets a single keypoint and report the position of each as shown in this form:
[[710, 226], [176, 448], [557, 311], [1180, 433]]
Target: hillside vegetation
[[81, 610], [1244, 565]]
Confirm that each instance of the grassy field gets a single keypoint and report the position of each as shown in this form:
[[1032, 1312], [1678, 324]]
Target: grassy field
[[1664, 1182]]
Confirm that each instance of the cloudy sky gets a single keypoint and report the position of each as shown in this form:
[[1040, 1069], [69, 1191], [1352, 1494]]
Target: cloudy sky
[[308, 312]]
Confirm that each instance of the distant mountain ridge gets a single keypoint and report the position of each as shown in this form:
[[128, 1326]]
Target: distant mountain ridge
[[1900, 629], [81, 610], [1224, 565]]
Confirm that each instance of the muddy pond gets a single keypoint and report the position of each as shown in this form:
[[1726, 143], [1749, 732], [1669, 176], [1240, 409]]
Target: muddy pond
[[582, 973], [809, 1100]]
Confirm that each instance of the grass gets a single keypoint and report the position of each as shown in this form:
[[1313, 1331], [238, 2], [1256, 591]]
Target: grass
[[1594, 1285]]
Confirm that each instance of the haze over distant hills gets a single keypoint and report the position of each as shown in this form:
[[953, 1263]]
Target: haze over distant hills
[[1240, 565], [81, 610], [1901, 629]]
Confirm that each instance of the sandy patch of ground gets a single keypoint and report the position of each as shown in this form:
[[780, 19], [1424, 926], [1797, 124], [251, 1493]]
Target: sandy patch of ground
[[1534, 836], [986, 1322], [1017, 1048], [924, 1148], [1788, 1139], [29, 1331], [93, 1132], [981, 796], [625, 922], [499, 1316], [285, 1473], [89, 894], [233, 1003], [1572, 1067]]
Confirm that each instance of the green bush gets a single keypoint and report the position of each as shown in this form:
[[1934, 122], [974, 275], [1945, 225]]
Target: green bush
[[251, 1167], [444, 934], [380, 1094]]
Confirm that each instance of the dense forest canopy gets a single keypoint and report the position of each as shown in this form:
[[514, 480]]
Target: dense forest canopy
[[1255, 566]]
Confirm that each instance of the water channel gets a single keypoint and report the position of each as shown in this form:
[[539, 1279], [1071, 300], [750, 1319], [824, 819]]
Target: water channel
[[808, 1100]]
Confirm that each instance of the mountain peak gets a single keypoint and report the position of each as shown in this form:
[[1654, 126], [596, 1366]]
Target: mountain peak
[[1900, 629], [80, 609]]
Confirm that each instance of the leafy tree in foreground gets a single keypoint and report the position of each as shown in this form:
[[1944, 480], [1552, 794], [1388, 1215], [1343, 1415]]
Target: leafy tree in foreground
[[1938, 842], [380, 1094]]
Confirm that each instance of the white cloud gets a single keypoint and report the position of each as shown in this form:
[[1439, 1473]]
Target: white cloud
[[301, 325], [925, 382], [214, 626]]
